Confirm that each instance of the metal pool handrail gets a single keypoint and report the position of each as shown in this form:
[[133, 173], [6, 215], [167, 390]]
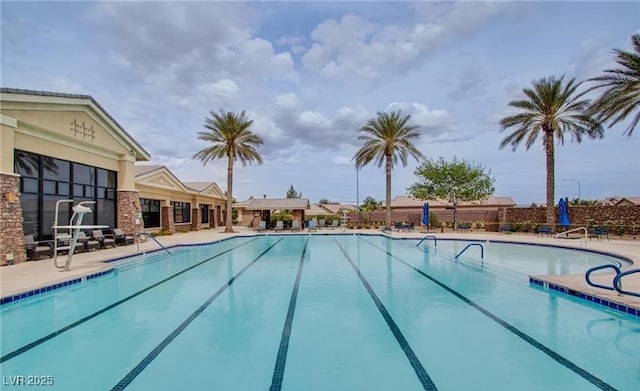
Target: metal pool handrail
[[154, 239], [617, 284], [470, 245], [586, 233], [435, 240], [587, 275]]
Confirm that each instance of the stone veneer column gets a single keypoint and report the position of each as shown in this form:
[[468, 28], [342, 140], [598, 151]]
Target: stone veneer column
[[167, 219], [298, 215], [212, 217], [11, 232], [129, 212], [195, 219]]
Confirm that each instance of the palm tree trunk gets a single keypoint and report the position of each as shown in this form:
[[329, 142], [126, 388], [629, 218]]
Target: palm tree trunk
[[550, 215], [388, 192], [228, 222]]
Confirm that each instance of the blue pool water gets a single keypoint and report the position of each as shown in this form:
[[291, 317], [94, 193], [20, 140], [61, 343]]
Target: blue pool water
[[321, 312]]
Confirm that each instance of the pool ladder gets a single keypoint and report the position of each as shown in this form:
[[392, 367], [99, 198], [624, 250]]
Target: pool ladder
[[471, 245], [152, 238], [617, 283], [435, 240]]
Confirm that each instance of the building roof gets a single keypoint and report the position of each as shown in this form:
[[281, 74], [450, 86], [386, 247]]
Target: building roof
[[335, 208], [147, 172], [143, 152], [316, 210], [275, 203], [144, 169], [410, 202]]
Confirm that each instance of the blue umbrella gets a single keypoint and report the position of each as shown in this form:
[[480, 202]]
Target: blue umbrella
[[425, 214], [563, 213]]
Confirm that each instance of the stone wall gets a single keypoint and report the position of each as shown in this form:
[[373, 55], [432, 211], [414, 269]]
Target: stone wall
[[581, 216], [11, 233], [167, 219], [129, 212], [195, 219]]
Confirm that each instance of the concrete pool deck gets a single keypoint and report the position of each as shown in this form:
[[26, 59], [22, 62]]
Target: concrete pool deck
[[32, 275]]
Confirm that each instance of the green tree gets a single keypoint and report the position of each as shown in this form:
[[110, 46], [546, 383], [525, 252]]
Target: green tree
[[555, 109], [369, 204], [292, 193], [387, 139], [621, 96], [230, 136], [455, 181], [324, 201]]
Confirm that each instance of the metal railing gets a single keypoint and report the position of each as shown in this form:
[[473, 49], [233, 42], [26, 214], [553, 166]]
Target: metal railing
[[616, 285], [471, 245], [435, 240], [586, 233], [152, 238]]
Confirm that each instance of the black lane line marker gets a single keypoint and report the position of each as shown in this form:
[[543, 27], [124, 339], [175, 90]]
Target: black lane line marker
[[56, 333], [281, 361], [128, 378], [593, 379], [422, 374]]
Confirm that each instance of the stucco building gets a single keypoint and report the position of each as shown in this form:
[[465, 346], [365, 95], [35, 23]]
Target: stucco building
[[56, 146]]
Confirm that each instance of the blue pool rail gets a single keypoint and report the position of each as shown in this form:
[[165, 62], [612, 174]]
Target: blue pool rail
[[587, 275], [470, 245], [618, 284], [435, 240]]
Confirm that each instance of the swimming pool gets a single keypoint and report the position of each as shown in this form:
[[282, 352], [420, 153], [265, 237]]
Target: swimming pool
[[325, 312]]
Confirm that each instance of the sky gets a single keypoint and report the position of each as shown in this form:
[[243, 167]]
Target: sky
[[310, 75]]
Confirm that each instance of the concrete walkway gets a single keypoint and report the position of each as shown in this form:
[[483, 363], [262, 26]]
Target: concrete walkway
[[32, 275]]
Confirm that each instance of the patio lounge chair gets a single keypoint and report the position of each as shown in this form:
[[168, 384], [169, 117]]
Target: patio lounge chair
[[121, 237], [36, 249], [295, 225], [279, 226], [544, 230], [88, 243], [334, 224], [313, 226], [321, 223], [262, 226], [104, 241]]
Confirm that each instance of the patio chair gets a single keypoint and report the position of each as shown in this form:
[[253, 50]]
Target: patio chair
[[262, 226], [334, 224], [313, 226], [295, 225], [36, 249], [88, 243], [544, 230], [104, 241], [321, 223], [504, 228], [599, 233], [121, 237], [279, 225]]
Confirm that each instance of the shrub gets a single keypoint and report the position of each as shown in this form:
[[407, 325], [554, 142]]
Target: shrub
[[434, 220]]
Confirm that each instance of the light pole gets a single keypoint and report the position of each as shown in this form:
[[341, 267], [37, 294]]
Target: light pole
[[576, 181]]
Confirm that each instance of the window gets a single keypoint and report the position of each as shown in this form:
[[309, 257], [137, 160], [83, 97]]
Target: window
[[204, 214], [44, 180], [181, 212], [150, 212]]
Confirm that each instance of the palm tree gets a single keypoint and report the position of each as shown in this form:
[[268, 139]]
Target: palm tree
[[622, 94], [230, 136], [555, 109], [387, 138]]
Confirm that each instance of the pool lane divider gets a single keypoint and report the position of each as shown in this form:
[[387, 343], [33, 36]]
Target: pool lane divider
[[593, 379], [129, 377], [422, 374], [281, 361], [78, 322]]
